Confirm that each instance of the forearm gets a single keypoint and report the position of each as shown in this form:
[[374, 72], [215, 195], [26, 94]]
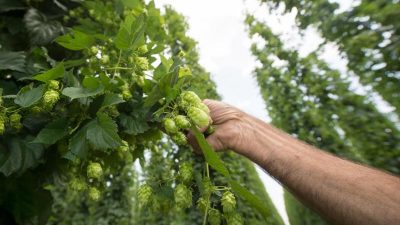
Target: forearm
[[342, 191]]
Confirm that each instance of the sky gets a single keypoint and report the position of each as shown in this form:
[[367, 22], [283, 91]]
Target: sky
[[224, 48]]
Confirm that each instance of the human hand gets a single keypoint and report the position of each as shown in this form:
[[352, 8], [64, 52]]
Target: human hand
[[231, 128]]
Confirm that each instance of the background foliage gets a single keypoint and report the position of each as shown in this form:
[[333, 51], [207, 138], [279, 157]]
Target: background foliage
[[310, 100]]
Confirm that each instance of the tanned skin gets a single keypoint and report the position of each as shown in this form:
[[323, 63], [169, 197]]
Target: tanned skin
[[343, 192]]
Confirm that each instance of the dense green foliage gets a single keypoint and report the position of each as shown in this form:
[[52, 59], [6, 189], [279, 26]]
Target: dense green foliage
[[367, 34], [313, 102], [84, 99]]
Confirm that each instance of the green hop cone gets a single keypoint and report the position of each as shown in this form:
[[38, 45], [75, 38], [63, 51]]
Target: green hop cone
[[143, 49], [140, 80], [179, 138], [181, 54], [182, 122], [184, 71], [105, 59], [228, 202], [208, 187], [199, 117], [54, 84], [36, 110], [94, 194], [182, 196], [15, 121], [202, 204], [203, 107], [142, 63], [94, 170], [2, 127], [94, 50], [214, 217], [234, 219], [77, 184], [186, 172], [124, 147], [144, 193], [190, 97], [50, 98], [170, 126]]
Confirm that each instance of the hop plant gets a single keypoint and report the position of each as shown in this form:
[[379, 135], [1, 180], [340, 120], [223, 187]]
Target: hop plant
[[228, 202], [179, 138], [140, 81], [124, 147], [145, 193], [234, 219], [126, 94], [202, 204], [94, 194], [208, 187], [77, 184], [203, 107], [15, 121], [54, 84], [199, 117], [186, 172], [214, 217], [183, 196], [190, 97], [170, 126], [50, 98], [142, 63], [182, 122], [184, 71], [105, 59], [94, 170], [2, 126], [143, 49]]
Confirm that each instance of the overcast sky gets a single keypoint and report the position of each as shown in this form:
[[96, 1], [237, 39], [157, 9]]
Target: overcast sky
[[224, 49]]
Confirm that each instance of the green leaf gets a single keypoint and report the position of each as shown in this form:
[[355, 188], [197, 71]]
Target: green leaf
[[28, 96], [12, 61], [20, 156], [130, 33], [78, 144], [102, 133], [53, 132], [210, 155], [52, 74], [111, 99], [251, 199], [41, 30], [75, 41], [79, 92], [216, 163], [133, 125]]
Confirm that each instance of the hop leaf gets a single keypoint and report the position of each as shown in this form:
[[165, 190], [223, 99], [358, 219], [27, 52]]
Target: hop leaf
[[94, 194], [145, 193], [214, 217], [182, 122], [94, 170], [199, 117], [228, 202], [170, 126], [183, 196], [179, 138], [186, 172]]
